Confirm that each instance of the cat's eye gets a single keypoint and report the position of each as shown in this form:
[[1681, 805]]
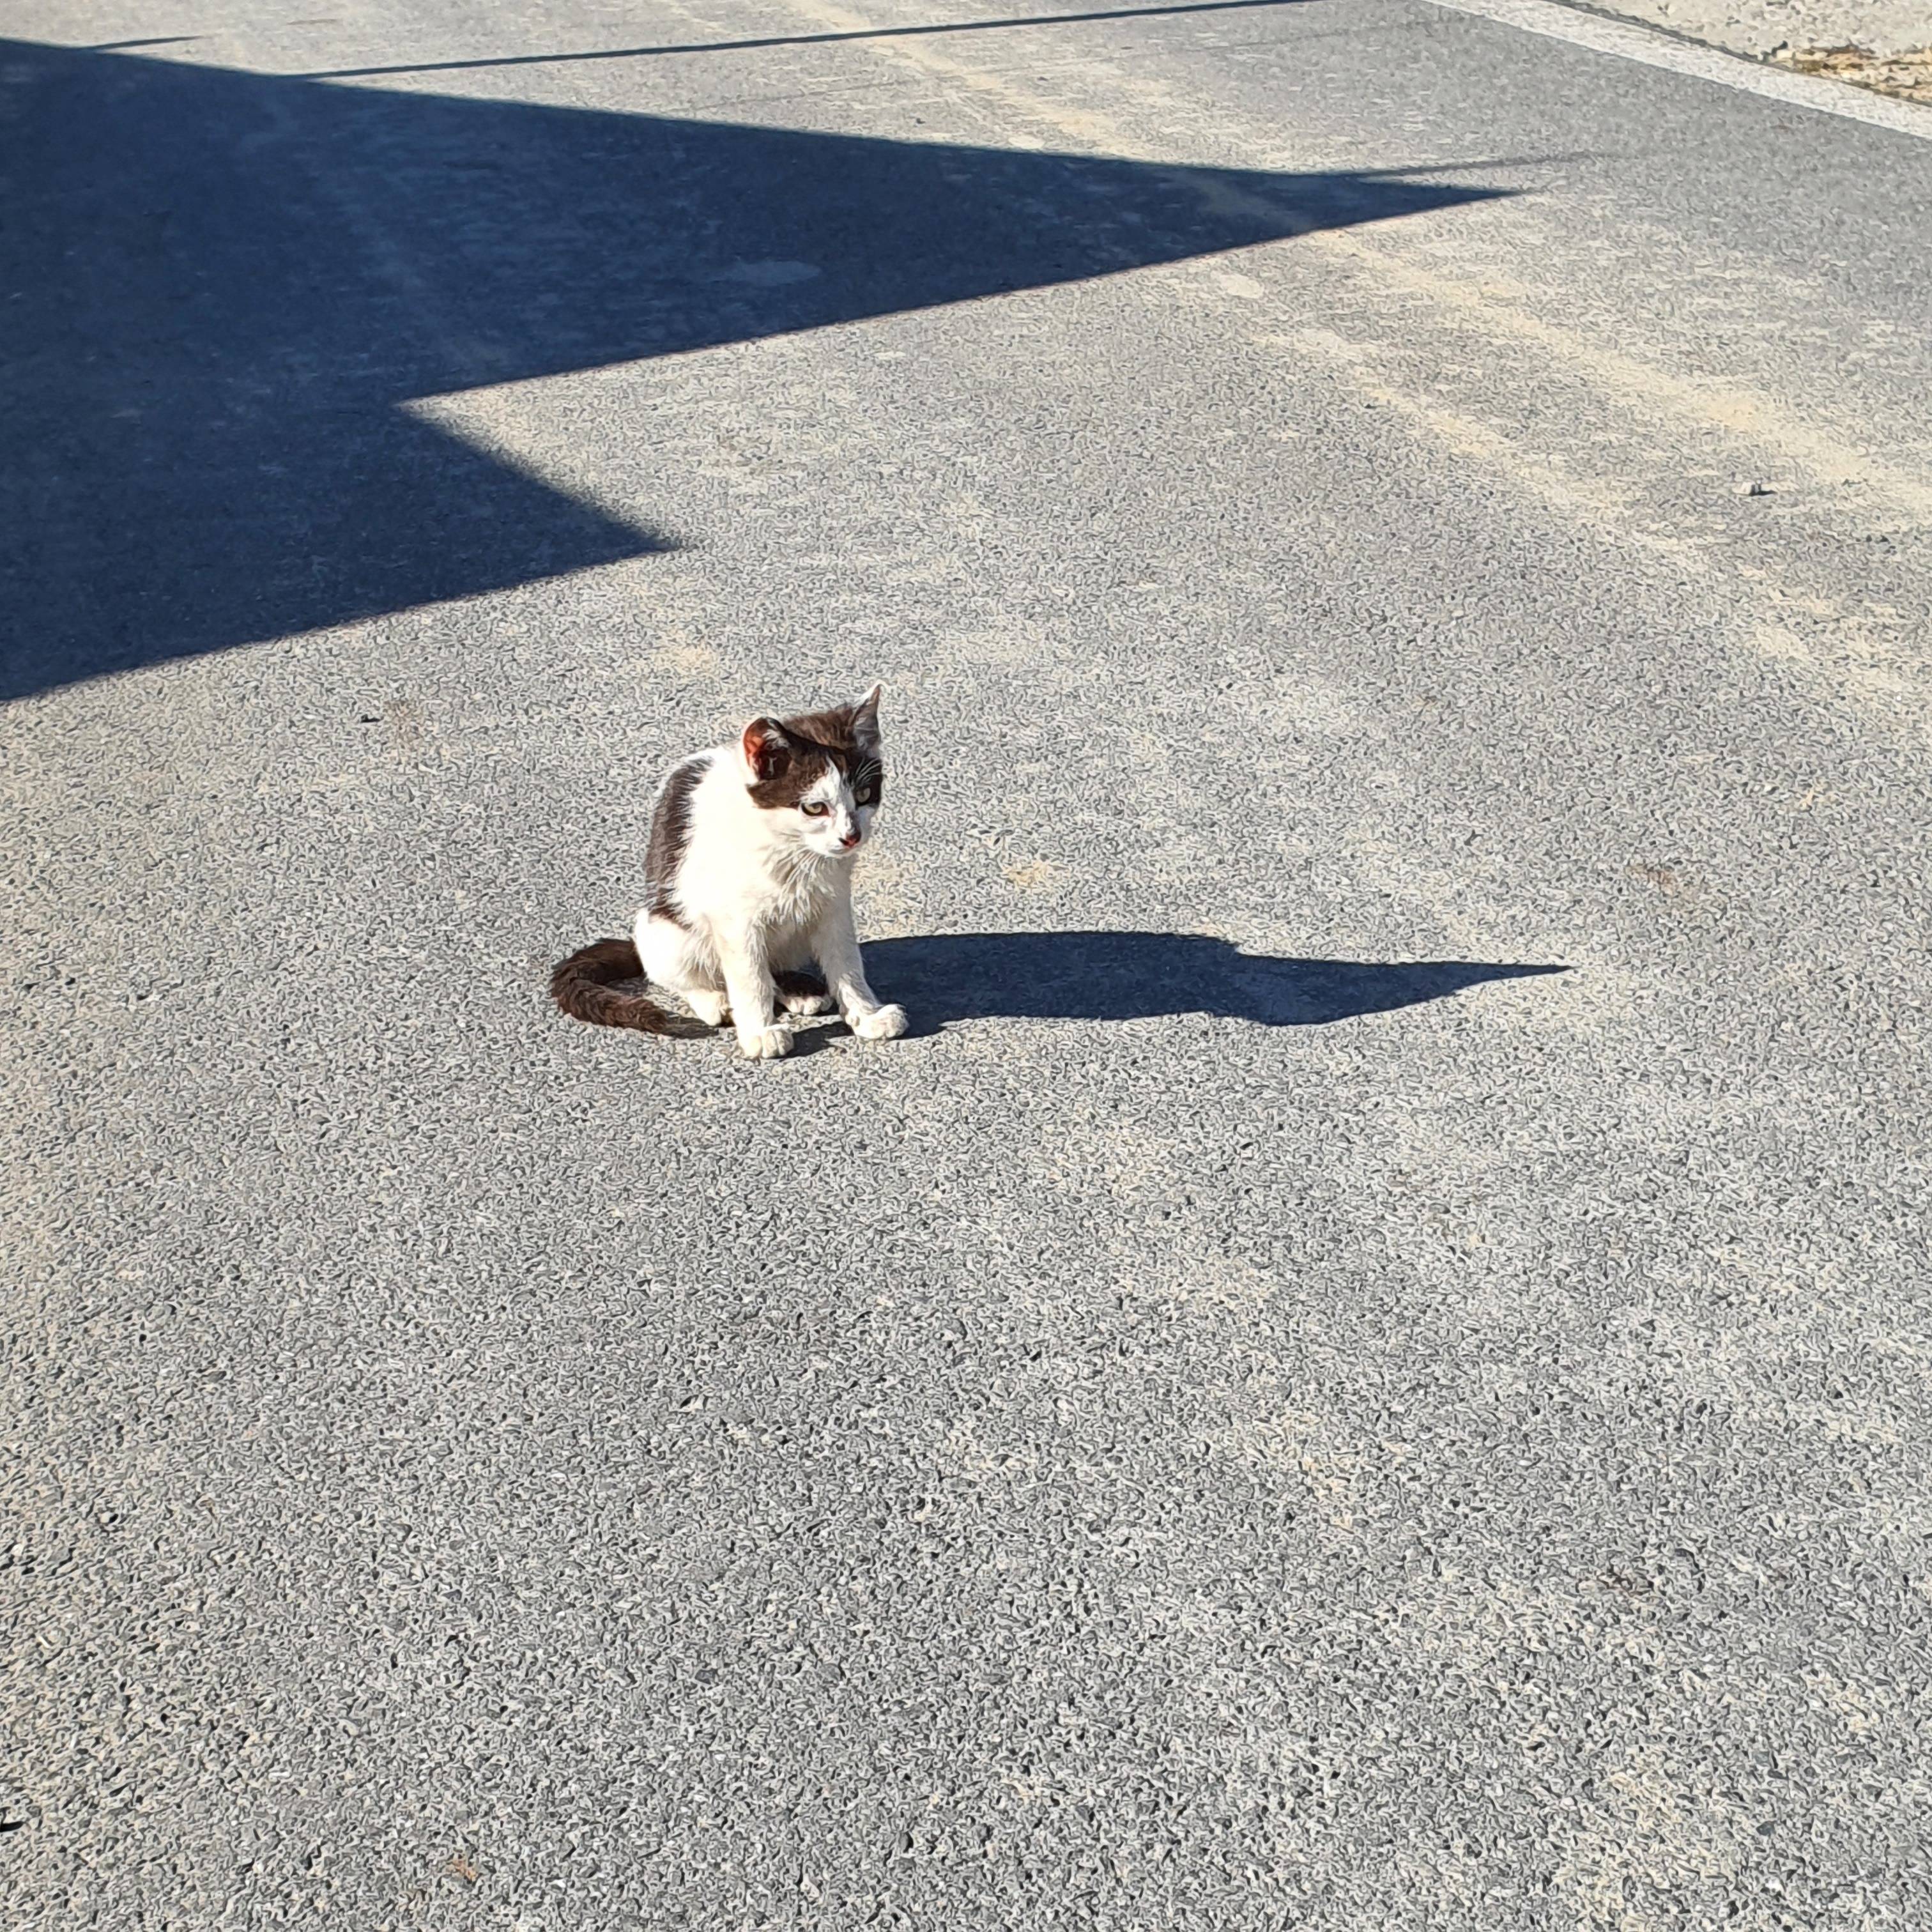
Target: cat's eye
[[814, 810]]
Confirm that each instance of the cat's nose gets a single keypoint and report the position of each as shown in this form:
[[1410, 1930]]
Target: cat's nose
[[848, 840]]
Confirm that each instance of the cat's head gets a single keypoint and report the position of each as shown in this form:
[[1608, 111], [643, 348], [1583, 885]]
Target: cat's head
[[819, 775]]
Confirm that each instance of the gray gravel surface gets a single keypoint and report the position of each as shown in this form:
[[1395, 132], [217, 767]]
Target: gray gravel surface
[[1263, 1412]]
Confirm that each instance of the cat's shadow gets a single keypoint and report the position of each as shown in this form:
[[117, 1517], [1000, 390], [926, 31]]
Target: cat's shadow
[[943, 978]]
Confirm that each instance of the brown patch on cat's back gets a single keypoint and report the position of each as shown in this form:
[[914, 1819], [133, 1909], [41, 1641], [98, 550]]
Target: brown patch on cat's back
[[670, 833]]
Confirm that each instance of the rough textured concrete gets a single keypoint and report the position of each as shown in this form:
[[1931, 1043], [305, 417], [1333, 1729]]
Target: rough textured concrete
[[1761, 26], [1263, 1413]]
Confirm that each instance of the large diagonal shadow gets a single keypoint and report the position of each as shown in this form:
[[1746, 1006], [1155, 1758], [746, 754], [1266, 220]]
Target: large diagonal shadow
[[1120, 975], [224, 289]]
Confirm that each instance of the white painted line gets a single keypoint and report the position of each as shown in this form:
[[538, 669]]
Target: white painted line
[[1633, 41]]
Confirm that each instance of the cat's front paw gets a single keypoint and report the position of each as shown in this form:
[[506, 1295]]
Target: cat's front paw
[[881, 1023], [764, 1042]]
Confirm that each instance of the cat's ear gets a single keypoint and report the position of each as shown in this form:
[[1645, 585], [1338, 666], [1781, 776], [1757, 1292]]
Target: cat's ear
[[866, 719], [765, 746]]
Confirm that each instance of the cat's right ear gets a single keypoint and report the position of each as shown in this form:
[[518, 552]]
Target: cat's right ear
[[765, 747]]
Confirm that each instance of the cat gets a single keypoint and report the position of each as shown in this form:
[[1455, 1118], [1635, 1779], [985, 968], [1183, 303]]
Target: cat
[[748, 876]]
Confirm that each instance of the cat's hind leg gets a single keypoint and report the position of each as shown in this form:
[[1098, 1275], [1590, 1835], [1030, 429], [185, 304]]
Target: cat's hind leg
[[800, 986], [802, 992], [681, 962]]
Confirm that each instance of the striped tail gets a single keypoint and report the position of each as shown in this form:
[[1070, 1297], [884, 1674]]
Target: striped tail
[[581, 986]]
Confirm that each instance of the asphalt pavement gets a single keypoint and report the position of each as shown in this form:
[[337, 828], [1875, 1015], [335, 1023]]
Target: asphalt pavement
[[1365, 1365]]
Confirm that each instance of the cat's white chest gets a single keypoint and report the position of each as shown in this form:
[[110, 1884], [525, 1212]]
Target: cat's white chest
[[795, 898]]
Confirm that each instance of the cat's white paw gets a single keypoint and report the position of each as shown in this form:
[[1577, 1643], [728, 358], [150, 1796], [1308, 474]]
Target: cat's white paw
[[764, 1042], [711, 1008], [805, 1003], [881, 1023]]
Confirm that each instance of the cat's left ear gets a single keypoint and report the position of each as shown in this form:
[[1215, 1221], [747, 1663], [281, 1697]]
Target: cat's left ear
[[866, 719]]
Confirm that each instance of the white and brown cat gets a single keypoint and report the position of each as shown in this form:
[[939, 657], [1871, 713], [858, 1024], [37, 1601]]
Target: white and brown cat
[[748, 881]]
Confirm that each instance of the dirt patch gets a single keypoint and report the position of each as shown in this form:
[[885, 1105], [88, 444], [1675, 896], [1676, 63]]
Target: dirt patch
[[1908, 75], [1884, 45]]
